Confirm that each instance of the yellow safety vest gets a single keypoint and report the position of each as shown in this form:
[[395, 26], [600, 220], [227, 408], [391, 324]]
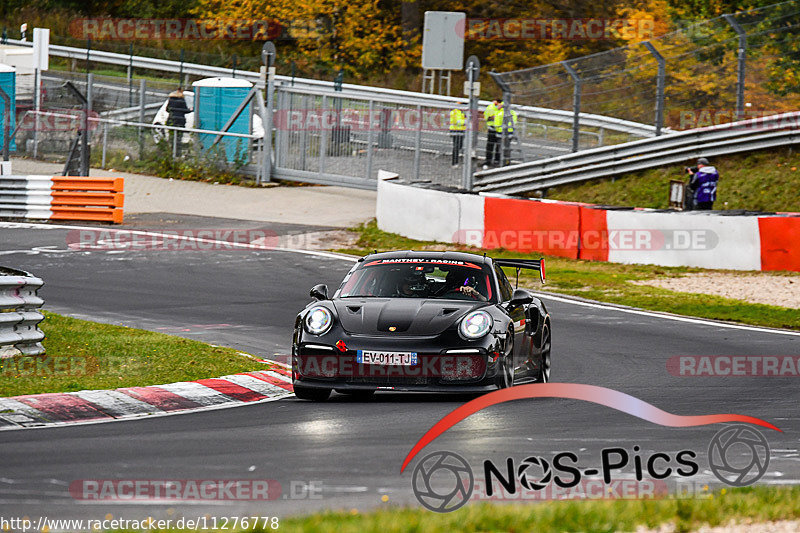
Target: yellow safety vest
[[498, 120], [458, 122], [489, 115]]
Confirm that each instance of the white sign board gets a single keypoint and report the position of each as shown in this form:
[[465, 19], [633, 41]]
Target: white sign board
[[41, 48], [443, 40]]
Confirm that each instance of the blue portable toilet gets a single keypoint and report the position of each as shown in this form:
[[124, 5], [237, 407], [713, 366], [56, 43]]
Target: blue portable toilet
[[8, 82], [215, 102]]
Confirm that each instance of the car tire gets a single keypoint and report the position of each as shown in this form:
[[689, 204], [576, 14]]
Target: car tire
[[358, 394], [505, 375], [543, 374], [313, 394]]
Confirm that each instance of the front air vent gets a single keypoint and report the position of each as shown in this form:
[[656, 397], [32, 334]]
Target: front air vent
[[354, 308]]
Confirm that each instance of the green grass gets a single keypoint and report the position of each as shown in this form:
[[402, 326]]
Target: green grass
[[757, 504], [607, 282], [761, 181], [87, 355]]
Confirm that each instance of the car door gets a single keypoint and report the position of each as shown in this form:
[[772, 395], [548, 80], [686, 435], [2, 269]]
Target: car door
[[521, 341]]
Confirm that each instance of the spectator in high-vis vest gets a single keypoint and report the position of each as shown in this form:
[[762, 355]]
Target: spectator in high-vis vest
[[458, 125], [506, 130], [703, 184], [492, 138]]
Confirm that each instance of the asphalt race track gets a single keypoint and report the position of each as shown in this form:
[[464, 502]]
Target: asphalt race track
[[352, 450]]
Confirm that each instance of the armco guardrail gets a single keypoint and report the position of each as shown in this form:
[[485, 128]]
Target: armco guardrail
[[19, 313], [348, 89], [62, 198], [743, 136]]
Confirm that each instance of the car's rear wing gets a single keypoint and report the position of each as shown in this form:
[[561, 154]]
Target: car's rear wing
[[535, 264]]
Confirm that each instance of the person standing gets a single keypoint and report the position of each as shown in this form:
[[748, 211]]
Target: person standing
[[458, 125], [506, 131], [492, 139], [703, 184], [177, 111]]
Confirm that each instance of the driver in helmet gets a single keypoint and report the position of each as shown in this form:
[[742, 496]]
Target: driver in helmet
[[413, 284], [466, 284]]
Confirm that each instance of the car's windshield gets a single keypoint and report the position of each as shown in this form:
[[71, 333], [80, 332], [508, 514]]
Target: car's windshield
[[419, 278]]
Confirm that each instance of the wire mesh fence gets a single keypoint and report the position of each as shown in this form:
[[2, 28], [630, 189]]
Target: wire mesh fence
[[734, 66]]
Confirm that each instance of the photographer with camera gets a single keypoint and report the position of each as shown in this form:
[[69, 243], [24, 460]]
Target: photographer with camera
[[703, 184]]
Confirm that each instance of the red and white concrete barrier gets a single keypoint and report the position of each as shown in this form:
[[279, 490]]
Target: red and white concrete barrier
[[584, 231]]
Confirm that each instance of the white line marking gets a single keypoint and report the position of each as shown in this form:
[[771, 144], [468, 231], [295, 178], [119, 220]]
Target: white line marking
[[677, 318]]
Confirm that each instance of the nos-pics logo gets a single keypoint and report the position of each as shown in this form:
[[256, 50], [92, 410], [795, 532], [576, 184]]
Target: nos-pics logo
[[443, 481]]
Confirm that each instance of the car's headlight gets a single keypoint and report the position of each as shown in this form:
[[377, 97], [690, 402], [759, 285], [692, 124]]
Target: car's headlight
[[475, 325], [318, 320]]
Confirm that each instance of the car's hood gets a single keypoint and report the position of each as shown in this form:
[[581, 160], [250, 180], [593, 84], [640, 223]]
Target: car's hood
[[409, 316]]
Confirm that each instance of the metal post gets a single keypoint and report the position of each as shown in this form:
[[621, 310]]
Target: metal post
[[6, 123], [576, 106], [662, 69], [37, 107], [370, 133], [473, 70], [269, 54], [88, 51], [85, 137], [130, 76], [323, 136], [180, 73], [142, 89], [505, 138], [418, 143], [105, 144], [742, 61]]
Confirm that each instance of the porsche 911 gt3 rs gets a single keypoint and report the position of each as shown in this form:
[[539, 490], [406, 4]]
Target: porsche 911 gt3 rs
[[422, 321]]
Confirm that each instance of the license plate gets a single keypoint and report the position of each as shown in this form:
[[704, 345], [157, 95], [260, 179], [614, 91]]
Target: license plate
[[386, 358]]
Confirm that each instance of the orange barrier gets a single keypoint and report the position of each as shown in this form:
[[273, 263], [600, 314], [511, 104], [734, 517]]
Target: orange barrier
[[779, 243], [531, 226], [594, 234], [84, 198]]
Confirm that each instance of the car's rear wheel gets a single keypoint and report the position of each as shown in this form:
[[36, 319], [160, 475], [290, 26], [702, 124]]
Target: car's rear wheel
[[505, 376], [313, 394], [543, 375], [358, 394]]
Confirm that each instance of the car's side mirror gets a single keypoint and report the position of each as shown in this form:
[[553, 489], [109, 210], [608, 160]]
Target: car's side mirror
[[520, 297], [320, 292]]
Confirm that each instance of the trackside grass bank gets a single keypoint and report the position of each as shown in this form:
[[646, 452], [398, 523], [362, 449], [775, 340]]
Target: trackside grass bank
[[758, 504], [607, 282], [87, 355], [765, 180]]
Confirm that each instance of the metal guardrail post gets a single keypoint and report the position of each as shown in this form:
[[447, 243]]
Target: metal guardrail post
[[269, 54], [576, 105], [130, 77], [37, 107], [105, 144], [370, 132], [662, 69], [418, 144], [6, 123], [742, 63], [85, 126], [473, 70], [323, 136], [142, 90]]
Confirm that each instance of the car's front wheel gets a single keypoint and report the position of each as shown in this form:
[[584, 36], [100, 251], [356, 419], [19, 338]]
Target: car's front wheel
[[543, 374], [505, 374], [313, 394]]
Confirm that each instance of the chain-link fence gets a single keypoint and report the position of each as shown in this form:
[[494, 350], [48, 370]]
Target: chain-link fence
[[734, 66]]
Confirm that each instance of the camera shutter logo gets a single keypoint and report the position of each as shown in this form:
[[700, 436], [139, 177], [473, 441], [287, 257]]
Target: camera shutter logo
[[528, 466], [738, 455], [443, 482]]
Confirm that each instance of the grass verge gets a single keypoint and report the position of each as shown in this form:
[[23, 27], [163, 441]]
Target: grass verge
[[607, 282], [761, 181], [758, 504], [87, 355]]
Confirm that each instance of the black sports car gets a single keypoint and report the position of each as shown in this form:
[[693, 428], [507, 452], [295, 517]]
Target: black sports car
[[422, 321]]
